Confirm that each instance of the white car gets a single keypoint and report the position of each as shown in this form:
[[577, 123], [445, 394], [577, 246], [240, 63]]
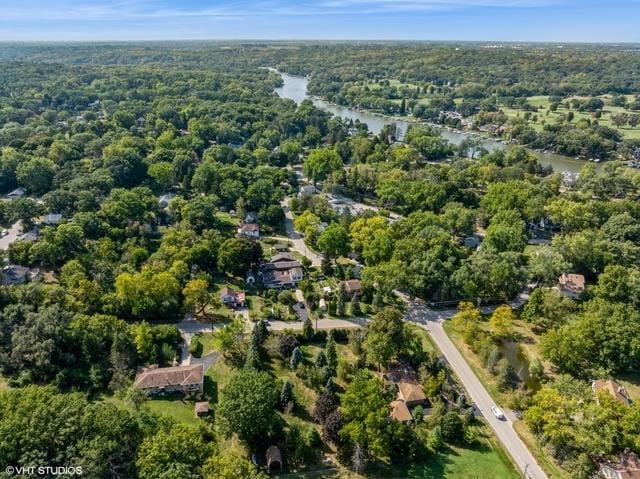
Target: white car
[[5, 232], [497, 412]]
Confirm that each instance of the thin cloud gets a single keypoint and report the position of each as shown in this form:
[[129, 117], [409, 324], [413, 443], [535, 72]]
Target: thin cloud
[[29, 10]]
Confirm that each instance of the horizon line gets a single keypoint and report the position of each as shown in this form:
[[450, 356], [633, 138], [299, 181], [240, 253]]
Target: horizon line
[[323, 40]]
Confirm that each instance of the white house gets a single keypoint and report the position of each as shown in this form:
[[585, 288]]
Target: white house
[[249, 230]]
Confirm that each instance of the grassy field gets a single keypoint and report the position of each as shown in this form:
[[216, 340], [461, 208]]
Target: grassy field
[[541, 101], [542, 116], [179, 409], [483, 461]]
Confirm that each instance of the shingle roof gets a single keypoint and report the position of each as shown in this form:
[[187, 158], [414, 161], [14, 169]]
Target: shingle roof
[[410, 392], [352, 285], [573, 283], [282, 257], [399, 411], [249, 228], [172, 376]]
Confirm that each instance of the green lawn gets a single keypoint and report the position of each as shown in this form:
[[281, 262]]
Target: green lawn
[[179, 409], [483, 461], [479, 462]]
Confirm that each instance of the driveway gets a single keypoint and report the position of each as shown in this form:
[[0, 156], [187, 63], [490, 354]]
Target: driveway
[[432, 320], [188, 327], [295, 238], [14, 232], [206, 360]]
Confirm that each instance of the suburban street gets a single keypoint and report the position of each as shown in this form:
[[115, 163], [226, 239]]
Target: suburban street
[[296, 239], [432, 320]]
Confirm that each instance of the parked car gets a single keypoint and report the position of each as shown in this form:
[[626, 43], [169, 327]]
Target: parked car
[[497, 412], [5, 232]]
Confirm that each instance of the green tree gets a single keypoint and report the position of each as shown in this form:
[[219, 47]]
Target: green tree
[[386, 337], [331, 353], [237, 255], [228, 465], [36, 174], [501, 321], [334, 241], [321, 163], [248, 407], [366, 426], [162, 174], [197, 296], [307, 330], [178, 451]]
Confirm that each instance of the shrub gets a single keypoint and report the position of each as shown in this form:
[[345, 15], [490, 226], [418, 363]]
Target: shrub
[[196, 348]]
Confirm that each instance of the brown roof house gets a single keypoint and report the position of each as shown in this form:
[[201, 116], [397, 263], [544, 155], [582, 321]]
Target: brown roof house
[[400, 412], [411, 393], [628, 467], [249, 230], [571, 285], [616, 390], [352, 286], [185, 379]]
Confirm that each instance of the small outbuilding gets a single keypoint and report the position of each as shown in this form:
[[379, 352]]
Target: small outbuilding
[[202, 409], [274, 459]]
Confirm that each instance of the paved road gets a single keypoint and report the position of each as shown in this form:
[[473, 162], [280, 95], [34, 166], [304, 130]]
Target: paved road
[[432, 321], [296, 239], [14, 232]]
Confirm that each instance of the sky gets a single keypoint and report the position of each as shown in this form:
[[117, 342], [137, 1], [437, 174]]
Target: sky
[[470, 20]]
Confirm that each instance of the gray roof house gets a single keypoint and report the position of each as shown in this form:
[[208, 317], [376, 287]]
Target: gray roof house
[[17, 193], [15, 274]]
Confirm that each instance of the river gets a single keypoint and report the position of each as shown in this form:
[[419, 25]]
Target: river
[[295, 88]]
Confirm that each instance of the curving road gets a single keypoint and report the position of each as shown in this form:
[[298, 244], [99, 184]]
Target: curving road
[[432, 320], [295, 238]]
